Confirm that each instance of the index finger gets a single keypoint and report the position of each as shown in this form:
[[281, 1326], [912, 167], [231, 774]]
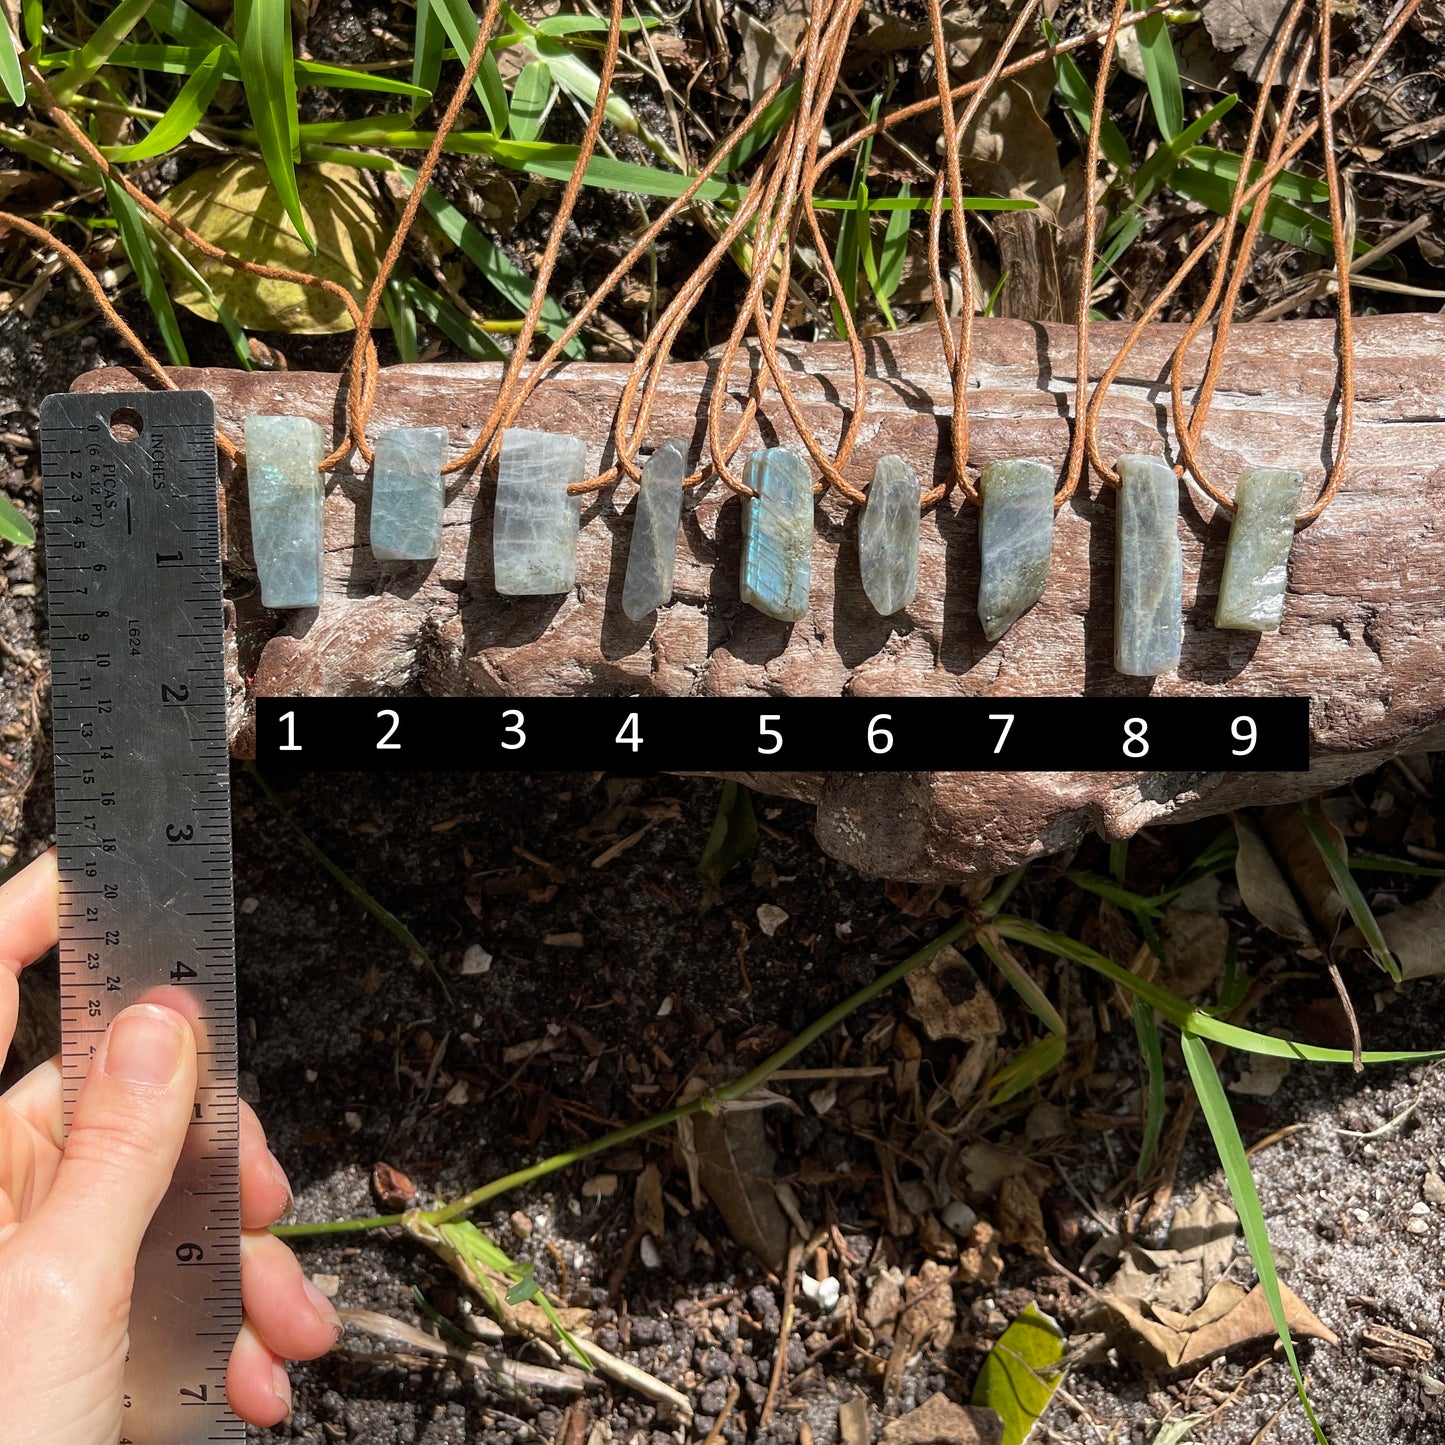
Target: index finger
[[30, 913]]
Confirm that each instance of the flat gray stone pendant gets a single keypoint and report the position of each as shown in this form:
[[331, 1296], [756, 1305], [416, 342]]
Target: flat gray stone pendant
[[285, 494], [1015, 541], [534, 534], [406, 494], [777, 558], [1149, 570], [888, 536], [652, 552], [1256, 560]]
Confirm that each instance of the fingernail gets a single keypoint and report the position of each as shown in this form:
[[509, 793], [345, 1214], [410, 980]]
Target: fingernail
[[279, 1175], [145, 1046], [323, 1306], [281, 1385]]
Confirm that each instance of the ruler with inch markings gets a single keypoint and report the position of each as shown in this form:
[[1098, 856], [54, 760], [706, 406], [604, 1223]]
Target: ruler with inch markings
[[143, 828]]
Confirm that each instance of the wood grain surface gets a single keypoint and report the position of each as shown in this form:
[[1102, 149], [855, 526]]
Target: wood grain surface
[[1363, 634]]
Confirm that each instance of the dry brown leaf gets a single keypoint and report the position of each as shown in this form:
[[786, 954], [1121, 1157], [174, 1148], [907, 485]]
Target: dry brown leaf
[[766, 47], [1283, 879], [939, 1421], [1020, 1217], [1247, 26], [647, 1207], [853, 1426], [1196, 942], [980, 1260], [736, 1166], [951, 1001], [1250, 1320], [1415, 933]]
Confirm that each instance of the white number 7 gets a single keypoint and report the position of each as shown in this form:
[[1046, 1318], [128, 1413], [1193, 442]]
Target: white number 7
[[1007, 719]]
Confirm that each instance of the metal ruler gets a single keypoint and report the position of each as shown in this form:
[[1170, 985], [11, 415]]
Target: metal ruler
[[143, 824]]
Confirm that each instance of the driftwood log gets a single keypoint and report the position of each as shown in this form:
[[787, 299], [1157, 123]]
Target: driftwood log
[[1363, 636]]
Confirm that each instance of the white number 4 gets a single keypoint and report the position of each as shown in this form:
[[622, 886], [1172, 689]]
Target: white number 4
[[628, 735]]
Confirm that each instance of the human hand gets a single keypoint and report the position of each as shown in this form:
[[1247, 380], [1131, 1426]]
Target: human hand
[[73, 1212]]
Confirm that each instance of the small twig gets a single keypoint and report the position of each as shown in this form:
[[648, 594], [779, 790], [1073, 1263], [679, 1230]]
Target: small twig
[[714, 1436], [535, 1377], [1343, 994], [785, 1330]]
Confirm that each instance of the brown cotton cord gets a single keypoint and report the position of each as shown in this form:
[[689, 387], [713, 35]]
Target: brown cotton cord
[[1190, 432], [491, 427], [1280, 157], [958, 358], [823, 54], [1228, 280], [362, 369], [1078, 442], [198, 242]]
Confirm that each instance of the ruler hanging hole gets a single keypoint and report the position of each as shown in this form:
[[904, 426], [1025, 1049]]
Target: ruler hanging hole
[[126, 424]]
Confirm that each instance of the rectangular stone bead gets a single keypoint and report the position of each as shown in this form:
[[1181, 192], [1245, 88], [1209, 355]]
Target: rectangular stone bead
[[406, 494], [652, 552], [888, 536], [285, 495], [1256, 560], [1148, 569], [777, 559], [1015, 541], [534, 534]]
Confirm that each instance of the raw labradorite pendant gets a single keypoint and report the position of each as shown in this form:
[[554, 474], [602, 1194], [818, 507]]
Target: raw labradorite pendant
[[406, 494], [1015, 541], [652, 552], [1256, 559], [777, 557], [284, 490], [1149, 570], [534, 534], [888, 536]]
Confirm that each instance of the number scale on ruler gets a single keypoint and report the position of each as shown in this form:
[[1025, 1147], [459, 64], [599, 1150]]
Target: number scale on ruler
[[143, 827]]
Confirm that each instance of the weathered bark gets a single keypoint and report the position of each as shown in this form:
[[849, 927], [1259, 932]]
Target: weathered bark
[[1363, 636]]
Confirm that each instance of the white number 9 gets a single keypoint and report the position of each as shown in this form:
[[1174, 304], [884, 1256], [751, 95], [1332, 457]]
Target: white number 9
[[1249, 732]]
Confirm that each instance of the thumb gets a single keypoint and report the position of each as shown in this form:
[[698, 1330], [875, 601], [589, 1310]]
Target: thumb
[[126, 1134]]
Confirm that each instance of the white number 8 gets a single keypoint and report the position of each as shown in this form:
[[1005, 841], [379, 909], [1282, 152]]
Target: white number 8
[[1135, 744]]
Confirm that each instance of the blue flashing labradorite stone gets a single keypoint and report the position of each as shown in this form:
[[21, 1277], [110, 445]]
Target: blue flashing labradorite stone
[[406, 494], [652, 553], [888, 534], [534, 535], [1256, 559], [777, 556], [1015, 541], [285, 494], [1149, 570]]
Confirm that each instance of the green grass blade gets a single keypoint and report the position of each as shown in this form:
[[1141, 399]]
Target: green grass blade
[[268, 72], [1107, 888], [509, 280], [1355, 901], [573, 74], [1161, 71], [402, 315], [1290, 185], [848, 251], [182, 115], [97, 50], [1021, 982], [1283, 220], [1368, 863], [531, 97], [1078, 97], [1146, 1030], [1230, 1147], [32, 23], [1025, 1069], [141, 254], [176, 19], [774, 116], [460, 24], [379, 911], [925, 203], [14, 524], [10, 76], [224, 315], [428, 46], [457, 328], [343, 77], [894, 250], [587, 24]]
